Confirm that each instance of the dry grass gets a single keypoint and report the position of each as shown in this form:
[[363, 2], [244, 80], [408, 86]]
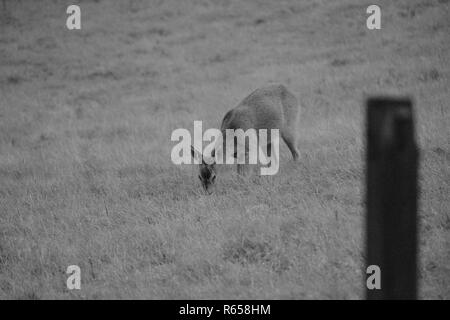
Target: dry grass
[[85, 124]]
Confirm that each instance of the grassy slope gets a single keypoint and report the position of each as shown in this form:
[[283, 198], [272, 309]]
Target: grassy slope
[[85, 124]]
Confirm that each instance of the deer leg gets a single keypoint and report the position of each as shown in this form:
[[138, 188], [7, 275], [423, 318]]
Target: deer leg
[[290, 141]]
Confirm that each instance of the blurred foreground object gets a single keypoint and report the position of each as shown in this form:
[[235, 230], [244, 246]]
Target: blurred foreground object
[[391, 197]]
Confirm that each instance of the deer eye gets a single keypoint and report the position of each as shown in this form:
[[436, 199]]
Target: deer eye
[[213, 178], [200, 177]]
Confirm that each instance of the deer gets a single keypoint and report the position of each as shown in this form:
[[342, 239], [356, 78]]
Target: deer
[[269, 107]]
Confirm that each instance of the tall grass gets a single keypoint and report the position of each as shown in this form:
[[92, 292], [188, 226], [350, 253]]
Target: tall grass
[[85, 124]]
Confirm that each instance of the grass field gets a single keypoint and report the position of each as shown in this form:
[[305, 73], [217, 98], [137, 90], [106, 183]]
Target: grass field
[[85, 123]]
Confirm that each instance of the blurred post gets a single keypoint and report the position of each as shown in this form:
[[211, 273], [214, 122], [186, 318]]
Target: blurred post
[[391, 197]]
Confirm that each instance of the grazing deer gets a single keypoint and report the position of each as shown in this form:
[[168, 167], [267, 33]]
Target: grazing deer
[[271, 107]]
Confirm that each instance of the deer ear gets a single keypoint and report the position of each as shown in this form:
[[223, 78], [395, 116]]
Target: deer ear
[[196, 154]]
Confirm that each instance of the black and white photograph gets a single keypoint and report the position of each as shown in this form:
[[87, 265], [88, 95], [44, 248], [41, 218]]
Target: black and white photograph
[[222, 150]]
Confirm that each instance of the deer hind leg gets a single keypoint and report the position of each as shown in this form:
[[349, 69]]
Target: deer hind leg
[[244, 169], [291, 140], [273, 154], [268, 152], [269, 157]]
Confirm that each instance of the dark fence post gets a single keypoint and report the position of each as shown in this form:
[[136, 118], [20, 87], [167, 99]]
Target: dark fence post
[[391, 197]]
